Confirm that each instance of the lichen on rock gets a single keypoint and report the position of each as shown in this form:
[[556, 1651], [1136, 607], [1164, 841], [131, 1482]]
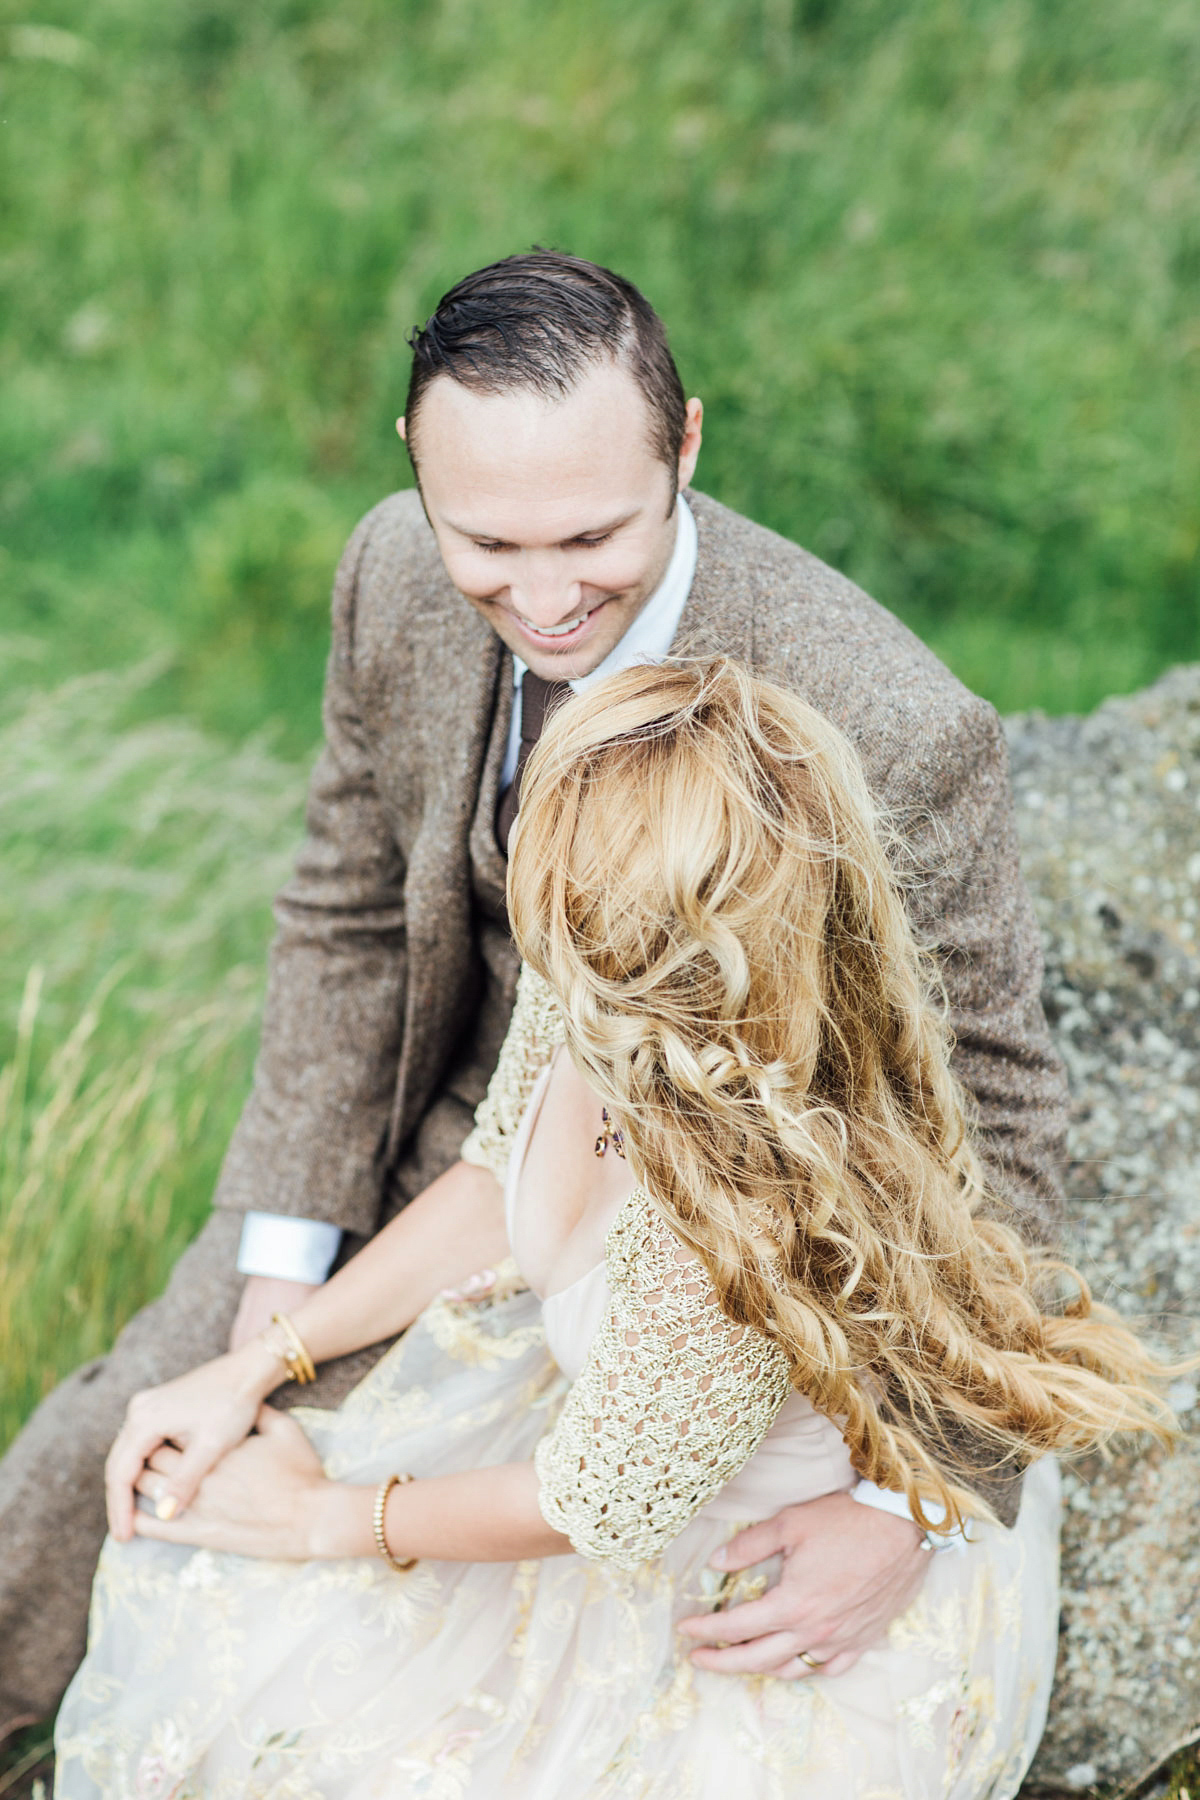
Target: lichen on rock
[[1108, 809]]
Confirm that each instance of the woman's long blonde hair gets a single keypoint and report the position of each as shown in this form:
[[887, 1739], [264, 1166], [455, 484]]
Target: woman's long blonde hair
[[699, 871]]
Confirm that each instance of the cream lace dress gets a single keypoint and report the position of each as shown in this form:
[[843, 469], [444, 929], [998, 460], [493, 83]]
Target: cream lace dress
[[657, 1429]]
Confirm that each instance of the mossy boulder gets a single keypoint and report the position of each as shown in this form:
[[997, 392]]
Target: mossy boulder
[[1109, 813]]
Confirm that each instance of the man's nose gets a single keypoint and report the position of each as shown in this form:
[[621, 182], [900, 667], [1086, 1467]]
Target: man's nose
[[546, 596]]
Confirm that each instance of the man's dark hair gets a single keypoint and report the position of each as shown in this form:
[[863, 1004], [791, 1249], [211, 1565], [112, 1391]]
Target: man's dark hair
[[538, 321]]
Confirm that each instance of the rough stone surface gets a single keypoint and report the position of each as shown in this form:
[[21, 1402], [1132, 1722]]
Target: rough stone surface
[[1109, 812]]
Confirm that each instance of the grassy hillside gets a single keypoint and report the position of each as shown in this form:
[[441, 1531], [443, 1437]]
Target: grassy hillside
[[139, 861], [933, 267]]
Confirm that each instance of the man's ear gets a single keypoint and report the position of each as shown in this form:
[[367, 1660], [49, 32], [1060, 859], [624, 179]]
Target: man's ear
[[689, 449], [401, 428]]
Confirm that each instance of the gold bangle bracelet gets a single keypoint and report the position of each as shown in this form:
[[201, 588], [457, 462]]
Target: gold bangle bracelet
[[381, 1544], [298, 1362]]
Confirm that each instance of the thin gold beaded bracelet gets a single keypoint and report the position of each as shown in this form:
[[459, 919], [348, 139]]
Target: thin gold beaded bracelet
[[381, 1499]]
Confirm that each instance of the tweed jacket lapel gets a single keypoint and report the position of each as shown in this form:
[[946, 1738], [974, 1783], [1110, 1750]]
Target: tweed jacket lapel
[[449, 714], [718, 618], [489, 866]]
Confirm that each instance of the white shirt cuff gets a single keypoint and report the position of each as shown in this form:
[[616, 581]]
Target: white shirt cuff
[[888, 1501], [288, 1249]]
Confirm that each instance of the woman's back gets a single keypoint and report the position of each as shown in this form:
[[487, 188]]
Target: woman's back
[[564, 1211]]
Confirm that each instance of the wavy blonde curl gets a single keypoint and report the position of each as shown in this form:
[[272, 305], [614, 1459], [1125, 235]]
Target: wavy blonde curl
[[700, 872]]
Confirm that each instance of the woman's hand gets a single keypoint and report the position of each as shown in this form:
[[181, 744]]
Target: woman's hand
[[199, 1416], [264, 1498]]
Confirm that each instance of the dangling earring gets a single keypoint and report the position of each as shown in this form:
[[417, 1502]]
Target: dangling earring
[[612, 1134]]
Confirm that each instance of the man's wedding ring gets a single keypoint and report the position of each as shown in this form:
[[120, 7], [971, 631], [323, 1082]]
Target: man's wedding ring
[[810, 1660]]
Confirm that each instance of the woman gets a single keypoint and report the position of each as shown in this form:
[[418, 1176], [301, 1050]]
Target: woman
[[725, 1147]]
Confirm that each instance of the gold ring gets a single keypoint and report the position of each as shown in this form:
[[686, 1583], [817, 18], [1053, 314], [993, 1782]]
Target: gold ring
[[810, 1660]]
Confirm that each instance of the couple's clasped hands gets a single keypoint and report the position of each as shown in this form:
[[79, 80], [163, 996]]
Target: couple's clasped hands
[[220, 1469]]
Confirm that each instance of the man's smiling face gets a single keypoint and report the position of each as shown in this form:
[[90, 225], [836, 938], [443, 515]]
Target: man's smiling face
[[555, 517]]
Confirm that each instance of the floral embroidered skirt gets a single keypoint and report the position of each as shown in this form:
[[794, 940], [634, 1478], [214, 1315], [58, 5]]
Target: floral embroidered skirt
[[223, 1676]]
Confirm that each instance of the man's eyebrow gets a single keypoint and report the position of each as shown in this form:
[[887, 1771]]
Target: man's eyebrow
[[589, 531]]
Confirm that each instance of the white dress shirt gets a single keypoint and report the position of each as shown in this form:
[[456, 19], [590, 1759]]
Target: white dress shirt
[[304, 1249], [288, 1249], [888, 1501]]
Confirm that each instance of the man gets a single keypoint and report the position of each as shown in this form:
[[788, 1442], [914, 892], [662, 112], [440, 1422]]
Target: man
[[550, 541]]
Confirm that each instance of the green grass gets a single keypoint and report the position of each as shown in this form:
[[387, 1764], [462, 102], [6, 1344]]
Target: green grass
[[139, 859], [1183, 1779], [25, 1765], [933, 267]]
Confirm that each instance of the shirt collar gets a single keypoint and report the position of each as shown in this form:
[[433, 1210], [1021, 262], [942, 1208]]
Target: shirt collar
[[650, 636]]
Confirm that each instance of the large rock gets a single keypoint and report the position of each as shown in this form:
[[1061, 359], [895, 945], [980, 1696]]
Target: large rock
[[1109, 811]]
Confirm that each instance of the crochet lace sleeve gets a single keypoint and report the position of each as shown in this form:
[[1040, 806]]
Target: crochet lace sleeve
[[534, 1033], [672, 1401]]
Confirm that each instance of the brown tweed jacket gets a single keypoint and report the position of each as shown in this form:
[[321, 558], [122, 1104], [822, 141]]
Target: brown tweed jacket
[[375, 971]]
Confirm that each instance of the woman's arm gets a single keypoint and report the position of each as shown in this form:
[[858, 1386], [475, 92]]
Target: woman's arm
[[452, 1229], [270, 1497], [673, 1398], [671, 1401]]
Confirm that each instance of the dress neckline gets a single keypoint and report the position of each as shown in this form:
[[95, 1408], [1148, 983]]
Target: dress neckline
[[516, 1164]]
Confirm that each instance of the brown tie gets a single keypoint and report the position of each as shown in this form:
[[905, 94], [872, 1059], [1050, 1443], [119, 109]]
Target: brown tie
[[538, 700]]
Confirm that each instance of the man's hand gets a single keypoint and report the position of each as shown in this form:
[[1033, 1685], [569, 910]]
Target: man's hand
[[262, 1296], [848, 1571]]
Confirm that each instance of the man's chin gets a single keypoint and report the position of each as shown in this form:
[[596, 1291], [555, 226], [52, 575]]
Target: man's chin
[[561, 668], [578, 657]]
